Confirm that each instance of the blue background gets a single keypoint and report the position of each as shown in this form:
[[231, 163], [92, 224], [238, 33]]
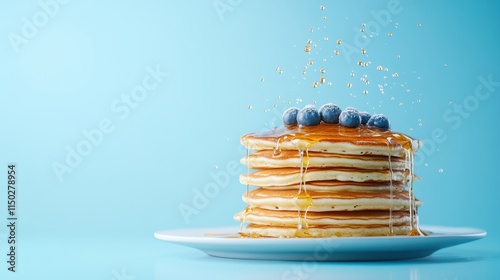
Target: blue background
[[70, 72]]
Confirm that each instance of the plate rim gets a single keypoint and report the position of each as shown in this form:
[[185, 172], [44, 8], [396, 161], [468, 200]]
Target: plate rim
[[442, 232], [372, 248], [168, 235]]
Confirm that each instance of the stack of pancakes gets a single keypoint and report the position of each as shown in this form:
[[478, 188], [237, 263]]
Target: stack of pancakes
[[328, 180]]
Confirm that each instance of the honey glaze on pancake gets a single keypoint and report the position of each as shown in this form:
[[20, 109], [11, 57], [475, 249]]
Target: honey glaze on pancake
[[362, 135]]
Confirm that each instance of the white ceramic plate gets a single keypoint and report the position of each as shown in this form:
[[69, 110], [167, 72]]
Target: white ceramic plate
[[220, 242]]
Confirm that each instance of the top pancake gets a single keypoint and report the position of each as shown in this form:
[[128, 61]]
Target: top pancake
[[333, 138]]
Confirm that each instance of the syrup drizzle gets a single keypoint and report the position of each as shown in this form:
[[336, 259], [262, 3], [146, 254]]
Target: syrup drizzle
[[248, 171], [248, 210], [414, 229], [391, 187], [302, 200]]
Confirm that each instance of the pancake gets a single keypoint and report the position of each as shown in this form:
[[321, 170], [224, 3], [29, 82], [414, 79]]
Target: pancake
[[314, 201], [289, 176], [333, 138], [291, 158], [331, 218], [333, 185], [254, 230]]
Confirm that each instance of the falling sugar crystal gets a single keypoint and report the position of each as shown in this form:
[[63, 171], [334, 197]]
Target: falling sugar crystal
[[249, 107], [325, 38], [365, 91], [315, 84], [322, 80], [419, 24], [309, 41], [363, 51], [322, 7], [389, 34], [307, 48], [261, 79], [339, 42], [322, 70], [395, 75], [360, 63], [310, 62], [336, 52], [349, 85], [311, 30], [379, 68]]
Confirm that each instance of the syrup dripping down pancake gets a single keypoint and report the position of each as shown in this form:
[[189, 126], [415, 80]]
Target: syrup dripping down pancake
[[327, 138]]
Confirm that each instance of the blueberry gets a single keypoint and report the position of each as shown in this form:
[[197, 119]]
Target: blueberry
[[351, 108], [308, 116], [350, 118], [365, 116], [379, 121], [330, 113], [290, 116]]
